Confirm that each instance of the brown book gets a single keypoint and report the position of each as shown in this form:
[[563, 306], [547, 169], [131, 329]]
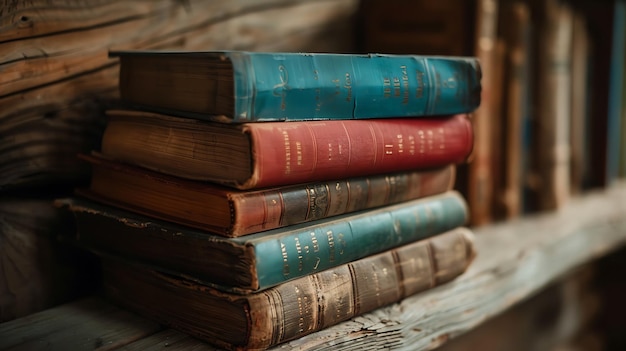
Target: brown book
[[480, 189], [580, 90], [292, 309], [515, 20], [553, 96], [257, 155], [231, 212]]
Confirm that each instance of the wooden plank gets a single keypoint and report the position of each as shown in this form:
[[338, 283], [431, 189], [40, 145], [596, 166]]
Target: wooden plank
[[551, 320], [89, 324], [170, 339]]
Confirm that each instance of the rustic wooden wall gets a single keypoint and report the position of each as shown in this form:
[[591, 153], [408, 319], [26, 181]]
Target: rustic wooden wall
[[56, 80], [55, 76]]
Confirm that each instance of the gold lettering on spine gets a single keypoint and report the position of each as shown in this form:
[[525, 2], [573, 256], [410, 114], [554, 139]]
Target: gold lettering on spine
[[312, 203], [316, 248], [316, 245], [348, 86], [449, 83], [412, 144], [405, 85], [400, 143], [419, 92], [283, 250], [301, 308], [299, 153], [388, 149], [396, 87], [331, 246], [287, 152], [442, 138], [376, 283], [386, 87], [340, 302], [330, 151], [300, 257], [342, 243]]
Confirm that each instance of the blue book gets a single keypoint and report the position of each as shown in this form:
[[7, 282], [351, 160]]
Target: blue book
[[233, 86], [264, 259]]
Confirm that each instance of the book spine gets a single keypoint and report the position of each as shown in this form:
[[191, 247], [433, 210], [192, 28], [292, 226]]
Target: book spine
[[554, 103], [291, 153], [332, 296], [269, 209], [581, 54], [516, 17], [270, 87], [297, 308], [481, 178], [317, 247]]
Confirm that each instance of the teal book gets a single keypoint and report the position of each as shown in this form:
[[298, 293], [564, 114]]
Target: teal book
[[262, 260], [234, 86]]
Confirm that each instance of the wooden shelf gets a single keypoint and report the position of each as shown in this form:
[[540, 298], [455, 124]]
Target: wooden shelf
[[515, 260]]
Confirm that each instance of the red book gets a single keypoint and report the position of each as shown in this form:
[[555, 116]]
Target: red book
[[256, 155]]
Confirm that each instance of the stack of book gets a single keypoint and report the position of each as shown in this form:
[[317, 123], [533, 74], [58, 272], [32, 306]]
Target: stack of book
[[252, 198]]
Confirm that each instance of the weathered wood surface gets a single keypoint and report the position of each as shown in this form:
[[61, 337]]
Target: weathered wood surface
[[37, 271], [169, 339], [560, 317], [515, 260], [55, 75], [89, 324]]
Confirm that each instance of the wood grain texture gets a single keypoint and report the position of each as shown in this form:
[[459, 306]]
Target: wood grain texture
[[170, 340], [36, 271], [515, 260], [553, 319], [88, 324], [57, 77]]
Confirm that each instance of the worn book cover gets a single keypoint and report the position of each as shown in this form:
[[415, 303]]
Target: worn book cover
[[231, 212], [258, 261], [295, 308], [237, 86], [258, 155]]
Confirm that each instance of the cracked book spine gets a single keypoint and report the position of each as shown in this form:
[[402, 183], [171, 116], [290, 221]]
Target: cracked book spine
[[296, 308]]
